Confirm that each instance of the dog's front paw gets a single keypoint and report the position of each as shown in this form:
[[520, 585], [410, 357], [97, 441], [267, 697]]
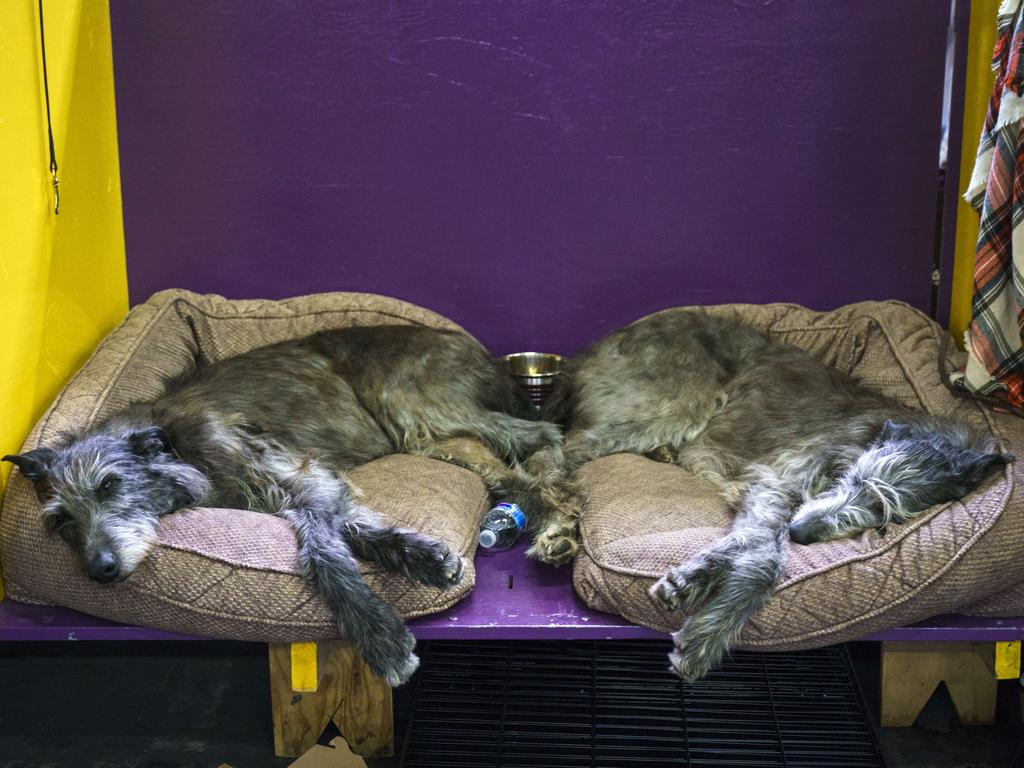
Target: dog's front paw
[[667, 592], [393, 661], [684, 588], [399, 671], [556, 545], [452, 569], [688, 666], [692, 658], [438, 566]]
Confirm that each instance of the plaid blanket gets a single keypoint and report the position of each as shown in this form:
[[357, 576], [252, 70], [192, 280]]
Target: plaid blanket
[[995, 363]]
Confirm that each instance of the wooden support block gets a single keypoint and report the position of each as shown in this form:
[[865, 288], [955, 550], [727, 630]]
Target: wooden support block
[[1008, 660], [911, 672], [364, 714], [345, 691]]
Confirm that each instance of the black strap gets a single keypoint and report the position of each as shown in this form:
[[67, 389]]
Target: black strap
[[49, 124], [995, 403]]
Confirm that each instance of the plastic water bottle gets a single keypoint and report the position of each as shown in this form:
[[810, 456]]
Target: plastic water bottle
[[502, 526]]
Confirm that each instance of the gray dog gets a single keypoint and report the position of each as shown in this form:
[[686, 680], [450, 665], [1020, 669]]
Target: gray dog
[[798, 449], [271, 431]]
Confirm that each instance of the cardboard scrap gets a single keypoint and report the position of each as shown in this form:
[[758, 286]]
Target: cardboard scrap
[[337, 755]]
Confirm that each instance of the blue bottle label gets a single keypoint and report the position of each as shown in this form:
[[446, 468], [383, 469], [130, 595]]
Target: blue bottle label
[[517, 514]]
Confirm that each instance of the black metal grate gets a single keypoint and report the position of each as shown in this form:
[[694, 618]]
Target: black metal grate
[[612, 704]]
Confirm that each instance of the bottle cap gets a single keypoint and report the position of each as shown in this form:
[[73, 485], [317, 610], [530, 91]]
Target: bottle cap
[[488, 538]]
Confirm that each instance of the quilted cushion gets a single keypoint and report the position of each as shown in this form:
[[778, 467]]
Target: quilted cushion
[[643, 517], [1007, 602], [229, 573]]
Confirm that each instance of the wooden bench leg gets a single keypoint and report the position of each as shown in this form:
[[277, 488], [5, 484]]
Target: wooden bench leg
[[911, 671], [314, 683]]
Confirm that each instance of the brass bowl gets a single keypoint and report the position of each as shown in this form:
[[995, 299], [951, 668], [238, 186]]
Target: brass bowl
[[535, 372]]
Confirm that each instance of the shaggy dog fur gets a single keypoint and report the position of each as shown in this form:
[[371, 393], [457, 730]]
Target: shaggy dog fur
[[273, 430], [799, 449]]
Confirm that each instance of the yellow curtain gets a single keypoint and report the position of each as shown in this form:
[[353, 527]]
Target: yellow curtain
[[62, 278], [980, 79]]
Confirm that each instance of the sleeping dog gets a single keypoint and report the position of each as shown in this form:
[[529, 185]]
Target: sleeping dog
[[798, 448], [272, 431]]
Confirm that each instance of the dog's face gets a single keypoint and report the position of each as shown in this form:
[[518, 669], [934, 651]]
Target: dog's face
[[103, 493], [908, 469]]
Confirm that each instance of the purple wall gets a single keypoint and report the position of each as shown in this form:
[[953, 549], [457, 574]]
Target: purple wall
[[538, 171]]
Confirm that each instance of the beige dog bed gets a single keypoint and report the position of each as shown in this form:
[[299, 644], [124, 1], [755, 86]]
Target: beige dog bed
[[643, 517], [227, 573]]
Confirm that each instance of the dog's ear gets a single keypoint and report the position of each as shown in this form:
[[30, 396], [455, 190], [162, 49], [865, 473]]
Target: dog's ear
[[149, 443], [975, 466], [34, 464]]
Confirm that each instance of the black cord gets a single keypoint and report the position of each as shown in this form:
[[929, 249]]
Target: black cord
[[49, 123]]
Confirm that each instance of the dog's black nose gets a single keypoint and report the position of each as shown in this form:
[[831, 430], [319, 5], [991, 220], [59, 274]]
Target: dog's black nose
[[103, 567], [802, 533]]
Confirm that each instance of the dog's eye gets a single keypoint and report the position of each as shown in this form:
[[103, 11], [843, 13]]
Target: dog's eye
[[64, 526], [109, 483]]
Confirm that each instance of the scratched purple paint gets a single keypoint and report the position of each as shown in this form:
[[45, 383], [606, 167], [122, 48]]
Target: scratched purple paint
[[538, 172]]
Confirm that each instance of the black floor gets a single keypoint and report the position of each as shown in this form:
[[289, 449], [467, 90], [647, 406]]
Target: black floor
[[171, 705]]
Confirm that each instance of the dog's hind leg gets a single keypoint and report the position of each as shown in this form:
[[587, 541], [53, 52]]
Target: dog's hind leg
[[557, 531], [557, 537], [732, 581], [543, 490], [508, 437], [585, 445], [536, 486], [469, 453]]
